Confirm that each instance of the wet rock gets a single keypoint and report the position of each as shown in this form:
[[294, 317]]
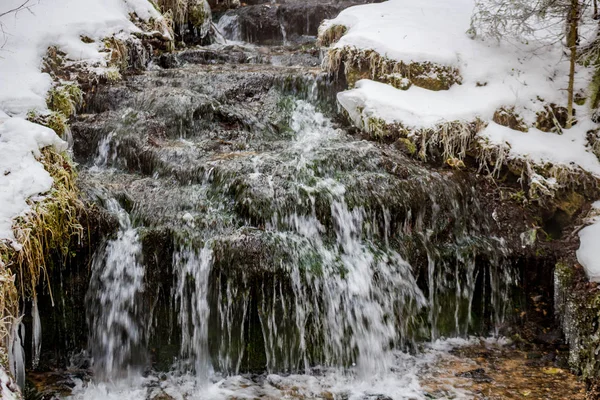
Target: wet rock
[[477, 375], [283, 22]]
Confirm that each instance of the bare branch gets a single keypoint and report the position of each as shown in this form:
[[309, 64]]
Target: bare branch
[[17, 9], [24, 6]]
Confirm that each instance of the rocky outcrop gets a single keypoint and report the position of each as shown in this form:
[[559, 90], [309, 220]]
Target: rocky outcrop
[[263, 22]]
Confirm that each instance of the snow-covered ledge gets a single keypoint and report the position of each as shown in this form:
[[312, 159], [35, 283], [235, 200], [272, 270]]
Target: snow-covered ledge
[[588, 254], [22, 176], [78, 29]]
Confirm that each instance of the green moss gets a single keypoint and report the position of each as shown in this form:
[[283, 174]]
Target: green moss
[[570, 203], [407, 146], [65, 99], [595, 89], [331, 35], [57, 122], [580, 99], [197, 14], [361, 64], [112, 75]]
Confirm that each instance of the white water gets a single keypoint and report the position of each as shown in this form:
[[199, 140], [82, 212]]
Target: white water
[[229, 26], [194, 309], [117, 280], [409, 379]]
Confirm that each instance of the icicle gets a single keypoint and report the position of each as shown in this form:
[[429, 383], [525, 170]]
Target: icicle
[[16, 353], [36, 328]]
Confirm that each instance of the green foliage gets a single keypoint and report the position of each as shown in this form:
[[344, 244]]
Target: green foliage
[[54, 120], [65, 99]]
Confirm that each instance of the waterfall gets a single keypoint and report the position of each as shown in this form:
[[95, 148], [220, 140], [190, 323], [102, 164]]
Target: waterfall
[[291, 247], [116, 318], [229, 27], [192, 271]]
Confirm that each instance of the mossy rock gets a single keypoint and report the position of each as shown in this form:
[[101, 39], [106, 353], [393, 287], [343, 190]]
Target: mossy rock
[[55, 121], [118, 56], [331, 35], [578, 305], [406, 146], [199, 14], [506, 116], [65, 99], [570, 203], [368, 64], [398, 81]]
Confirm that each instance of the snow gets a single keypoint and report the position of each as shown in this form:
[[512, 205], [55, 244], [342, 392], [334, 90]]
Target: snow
[[21, 175], [524, 76], [23, 87], [588, 254], [7, 386], [58, 23], [542, 147]]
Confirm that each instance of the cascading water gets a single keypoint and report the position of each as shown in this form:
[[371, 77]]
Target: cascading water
[[192, 271], [116, 317], [283, 247], [229, 27]]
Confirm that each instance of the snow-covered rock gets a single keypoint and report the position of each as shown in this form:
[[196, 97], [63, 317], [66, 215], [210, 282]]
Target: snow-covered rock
[[526, 77], [588, 254], [26, 36], [21, 174]]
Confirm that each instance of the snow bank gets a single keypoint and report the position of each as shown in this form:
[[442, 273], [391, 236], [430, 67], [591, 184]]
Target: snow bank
[[567, 149], [21, 175], [23, 87], [59, 23], [524, 76], [588, 254]]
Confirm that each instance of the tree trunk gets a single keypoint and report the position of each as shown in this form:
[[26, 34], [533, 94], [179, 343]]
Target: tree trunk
[[572, 37]]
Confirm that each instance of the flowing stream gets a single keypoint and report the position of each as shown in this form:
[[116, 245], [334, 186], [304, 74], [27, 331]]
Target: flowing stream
[[262, 249]]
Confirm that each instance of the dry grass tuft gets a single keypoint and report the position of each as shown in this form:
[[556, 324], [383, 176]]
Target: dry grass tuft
[[49, 227]]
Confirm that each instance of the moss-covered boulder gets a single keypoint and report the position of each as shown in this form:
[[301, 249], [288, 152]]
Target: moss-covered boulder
[[506, 116], [358, 64], [578, 305]]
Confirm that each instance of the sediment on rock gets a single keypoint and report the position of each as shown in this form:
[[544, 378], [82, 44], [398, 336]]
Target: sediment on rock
[[358, 64]]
